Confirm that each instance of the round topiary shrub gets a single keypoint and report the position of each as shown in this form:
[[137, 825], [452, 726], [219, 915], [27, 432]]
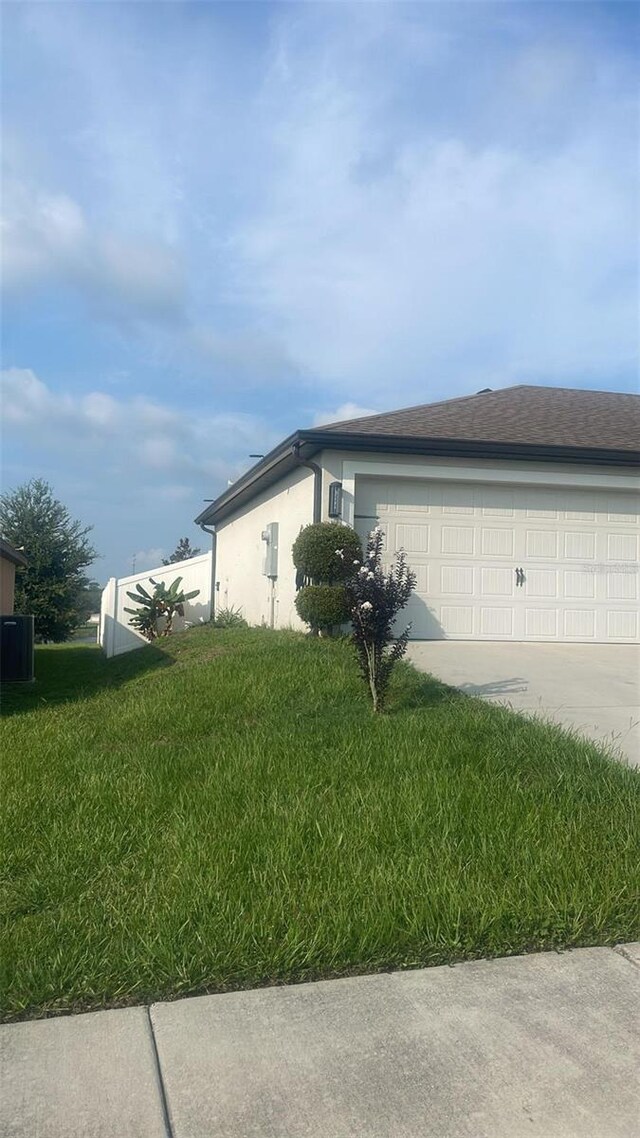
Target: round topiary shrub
[[323, 606], [315, 551]]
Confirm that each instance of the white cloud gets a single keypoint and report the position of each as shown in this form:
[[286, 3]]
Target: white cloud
[[398, 201], [46, 237], [146, 559], [343, 412], [133, 437], [390, 254]]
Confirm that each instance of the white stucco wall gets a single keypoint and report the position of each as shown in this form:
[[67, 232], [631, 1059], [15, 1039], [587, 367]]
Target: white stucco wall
[[240, 553]]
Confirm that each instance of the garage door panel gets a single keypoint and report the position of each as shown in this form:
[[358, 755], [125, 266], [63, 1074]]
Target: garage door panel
[[578, 584], [541, 583], [498, 542], [622, 586], [541, 623], [458, 620], [457, 500], [580, 545], [624, 509], [623, 624], [497, 582], [580, 576], [497, 623], [542, 543], [622, 547], [496, 502], [542, 504], [457, 580], [458, 540], [412, 538], [579, 624]]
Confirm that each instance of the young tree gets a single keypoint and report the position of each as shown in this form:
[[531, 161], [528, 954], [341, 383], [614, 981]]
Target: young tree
[[162, 604], [57, 549], [376, 599], [182, 552]]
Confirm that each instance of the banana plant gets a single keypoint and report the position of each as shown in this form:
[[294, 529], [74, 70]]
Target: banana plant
[[162, 602]]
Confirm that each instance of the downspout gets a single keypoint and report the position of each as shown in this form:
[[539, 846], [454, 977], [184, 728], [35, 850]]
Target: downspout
[[213, 536], [317, 481]]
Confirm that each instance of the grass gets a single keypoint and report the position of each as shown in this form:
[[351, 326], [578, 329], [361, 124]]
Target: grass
[[225, 811]]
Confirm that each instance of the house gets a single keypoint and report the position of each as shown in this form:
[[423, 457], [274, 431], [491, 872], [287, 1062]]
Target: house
[[519, 510], [10, 557]]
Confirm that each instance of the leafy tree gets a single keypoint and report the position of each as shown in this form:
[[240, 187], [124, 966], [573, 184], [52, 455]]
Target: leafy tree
[[376, 599], [57, 549], [89, 599], [182, 552]]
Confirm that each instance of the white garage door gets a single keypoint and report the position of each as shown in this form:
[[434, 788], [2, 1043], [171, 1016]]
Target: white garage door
[[511, 562]]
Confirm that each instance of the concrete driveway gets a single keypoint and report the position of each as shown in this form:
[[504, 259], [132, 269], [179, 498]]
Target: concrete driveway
[[591, 688]]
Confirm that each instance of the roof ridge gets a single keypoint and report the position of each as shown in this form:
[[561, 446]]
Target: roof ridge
[[474, 395], [437, 403], [417, 406]]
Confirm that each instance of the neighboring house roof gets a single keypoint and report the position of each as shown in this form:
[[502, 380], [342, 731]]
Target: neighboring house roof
[[10, 553], [544, 423]]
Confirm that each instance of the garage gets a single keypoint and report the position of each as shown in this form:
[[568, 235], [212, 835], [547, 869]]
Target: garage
[[511, 562], [518, 509]]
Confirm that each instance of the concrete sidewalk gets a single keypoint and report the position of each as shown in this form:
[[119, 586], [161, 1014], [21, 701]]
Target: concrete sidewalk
[[593, 689], [543, 1045]]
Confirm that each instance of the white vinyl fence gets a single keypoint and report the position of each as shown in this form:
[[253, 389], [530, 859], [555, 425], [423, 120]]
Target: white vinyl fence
[[116, 634]]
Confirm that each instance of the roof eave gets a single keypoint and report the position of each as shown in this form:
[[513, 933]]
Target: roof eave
[[283, 458], [474, 448], [11, 554], [259, 474]]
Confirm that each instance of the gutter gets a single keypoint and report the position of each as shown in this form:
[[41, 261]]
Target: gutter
[[214, 544], [317, 481]]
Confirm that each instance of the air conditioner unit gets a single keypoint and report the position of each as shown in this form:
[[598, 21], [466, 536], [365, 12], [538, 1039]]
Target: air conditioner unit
[[16, 649]]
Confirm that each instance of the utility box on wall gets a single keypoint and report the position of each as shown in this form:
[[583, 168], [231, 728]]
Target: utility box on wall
[[270, 560]]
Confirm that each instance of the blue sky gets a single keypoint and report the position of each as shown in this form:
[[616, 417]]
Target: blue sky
[[225, 221]]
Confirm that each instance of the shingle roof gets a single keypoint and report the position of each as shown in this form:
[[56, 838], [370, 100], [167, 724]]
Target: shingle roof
[[546, 416], [556, 424]]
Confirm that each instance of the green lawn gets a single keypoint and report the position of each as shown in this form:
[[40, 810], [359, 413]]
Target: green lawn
[[225, 811]]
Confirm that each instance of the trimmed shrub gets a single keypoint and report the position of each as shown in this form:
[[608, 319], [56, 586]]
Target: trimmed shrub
[[323, 606], [326, 551]]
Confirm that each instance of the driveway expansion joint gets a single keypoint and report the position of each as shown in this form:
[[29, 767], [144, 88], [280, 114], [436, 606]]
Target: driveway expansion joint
[[621, 950], [162, 1091]]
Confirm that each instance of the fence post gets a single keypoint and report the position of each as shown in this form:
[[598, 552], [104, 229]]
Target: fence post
[[107, 616]]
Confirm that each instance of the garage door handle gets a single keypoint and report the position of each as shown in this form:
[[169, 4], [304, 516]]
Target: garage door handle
[[519, 577]]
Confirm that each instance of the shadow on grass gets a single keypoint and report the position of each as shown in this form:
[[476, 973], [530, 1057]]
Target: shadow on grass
[[418, 691], [66, 673]]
